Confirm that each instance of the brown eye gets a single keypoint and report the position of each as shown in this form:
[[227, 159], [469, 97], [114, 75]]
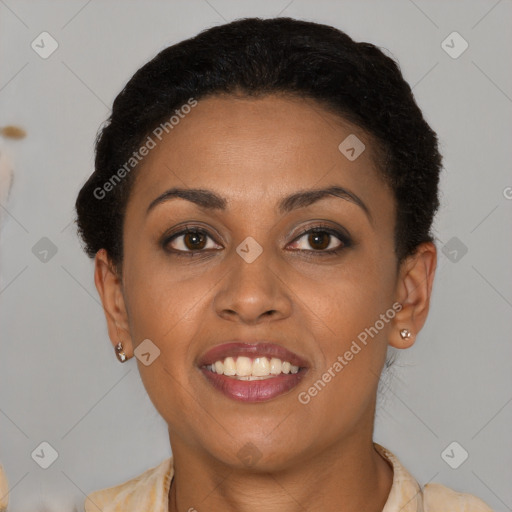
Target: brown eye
[[194, 240], [189, 241], [319, 240]]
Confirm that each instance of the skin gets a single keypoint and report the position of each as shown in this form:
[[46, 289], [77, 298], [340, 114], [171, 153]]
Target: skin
[[253, 152]]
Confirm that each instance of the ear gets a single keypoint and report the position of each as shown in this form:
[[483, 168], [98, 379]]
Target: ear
[[414, 287], [110, 288]]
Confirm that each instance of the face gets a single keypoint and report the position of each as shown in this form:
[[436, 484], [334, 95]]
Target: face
[[252, 270]]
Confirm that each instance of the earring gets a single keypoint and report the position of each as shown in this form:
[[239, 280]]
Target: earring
[[120, 353], [405, 334]]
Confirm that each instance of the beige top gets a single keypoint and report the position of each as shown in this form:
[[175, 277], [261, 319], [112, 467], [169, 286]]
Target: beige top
[[150, 491], [4, 490]]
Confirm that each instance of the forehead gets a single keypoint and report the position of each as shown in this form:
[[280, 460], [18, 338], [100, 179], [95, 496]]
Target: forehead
[[258, 149]]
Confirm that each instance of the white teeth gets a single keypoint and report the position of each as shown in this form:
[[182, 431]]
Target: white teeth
[[229, 366], [275, 366], [219, 367], [260, 367], [244, 368]]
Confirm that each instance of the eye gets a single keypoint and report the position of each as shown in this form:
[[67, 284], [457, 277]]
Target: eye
[[189, 240], [322, 240]]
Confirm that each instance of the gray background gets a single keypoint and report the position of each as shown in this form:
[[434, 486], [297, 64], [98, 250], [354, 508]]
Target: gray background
[[59, 379]]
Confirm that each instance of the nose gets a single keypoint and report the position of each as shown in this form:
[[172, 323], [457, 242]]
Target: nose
[[253, 292]]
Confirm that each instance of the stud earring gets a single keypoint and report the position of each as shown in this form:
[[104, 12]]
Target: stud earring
[[405, 334], [120, 353]]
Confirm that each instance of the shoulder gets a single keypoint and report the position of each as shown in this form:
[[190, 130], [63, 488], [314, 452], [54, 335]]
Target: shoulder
[[437, 497], [148, 491], [406, 495]]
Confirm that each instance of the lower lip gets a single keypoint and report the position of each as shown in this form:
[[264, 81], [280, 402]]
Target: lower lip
[[253, 390]]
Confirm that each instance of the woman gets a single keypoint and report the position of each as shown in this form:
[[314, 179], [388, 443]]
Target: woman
[[260, 217]]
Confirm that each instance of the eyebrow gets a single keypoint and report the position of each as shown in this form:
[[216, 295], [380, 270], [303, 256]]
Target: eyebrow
[[301, 199]]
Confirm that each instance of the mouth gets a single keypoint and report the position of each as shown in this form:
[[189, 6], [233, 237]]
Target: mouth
[[252, 372]]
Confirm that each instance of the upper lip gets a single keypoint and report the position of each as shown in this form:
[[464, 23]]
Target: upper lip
[[250, 349]]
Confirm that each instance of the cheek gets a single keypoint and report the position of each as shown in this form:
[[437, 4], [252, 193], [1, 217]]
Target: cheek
[[161, 301], [354, 313], [167, 309], [161, 316], [351, 297], [353, 340]]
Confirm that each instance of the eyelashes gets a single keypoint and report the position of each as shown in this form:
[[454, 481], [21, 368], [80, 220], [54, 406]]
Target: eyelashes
[[343, 239], [197, 235], [193, 241]]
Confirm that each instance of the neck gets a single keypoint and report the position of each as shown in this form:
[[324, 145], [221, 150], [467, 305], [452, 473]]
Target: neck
[[351, 477]]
